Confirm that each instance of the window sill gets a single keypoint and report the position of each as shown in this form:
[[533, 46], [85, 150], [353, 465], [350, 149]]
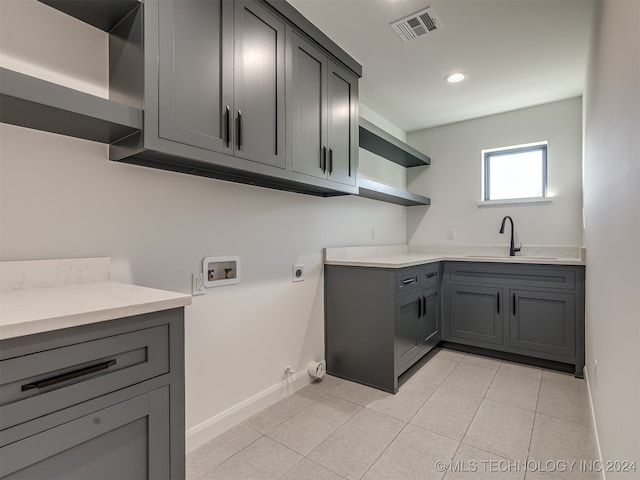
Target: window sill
[[514, 201]]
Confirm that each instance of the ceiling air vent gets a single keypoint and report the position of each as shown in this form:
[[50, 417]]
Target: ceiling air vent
[[417, 24]]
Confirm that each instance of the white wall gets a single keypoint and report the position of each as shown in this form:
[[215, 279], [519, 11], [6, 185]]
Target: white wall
[[454, 179], [60, 198], [612, 230]]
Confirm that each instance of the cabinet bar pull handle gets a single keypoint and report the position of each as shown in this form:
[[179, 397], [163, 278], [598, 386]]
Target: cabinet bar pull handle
[[409, 280], [419, 307], [239, 129], [498, 302], [330, 160], [323, 159], [514, 303], [228, 113], [424, 305], [432, 274], [68, 376]]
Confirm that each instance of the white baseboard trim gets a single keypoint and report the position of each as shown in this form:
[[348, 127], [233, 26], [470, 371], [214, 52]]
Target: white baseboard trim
[[596, 439], [214, 426]]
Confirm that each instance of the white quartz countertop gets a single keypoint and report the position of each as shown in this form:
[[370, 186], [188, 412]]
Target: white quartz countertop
[[401, 256], [70, 302]]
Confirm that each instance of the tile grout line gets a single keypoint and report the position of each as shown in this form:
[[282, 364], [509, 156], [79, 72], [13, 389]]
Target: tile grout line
[[484, 397]]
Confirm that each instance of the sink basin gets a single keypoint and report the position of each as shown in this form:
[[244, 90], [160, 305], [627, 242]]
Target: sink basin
[[524, 257]]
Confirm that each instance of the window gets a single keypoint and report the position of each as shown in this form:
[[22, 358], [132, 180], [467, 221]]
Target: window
[[515, 172]]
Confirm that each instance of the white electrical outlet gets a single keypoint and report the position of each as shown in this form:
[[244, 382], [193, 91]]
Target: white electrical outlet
[[451, 233], [298, 273], [373, 233], [197, 284]]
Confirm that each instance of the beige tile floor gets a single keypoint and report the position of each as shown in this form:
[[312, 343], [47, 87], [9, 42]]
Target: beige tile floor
[[459, 416]]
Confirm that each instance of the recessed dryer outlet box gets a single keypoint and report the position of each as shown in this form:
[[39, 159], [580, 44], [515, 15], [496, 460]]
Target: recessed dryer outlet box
[[218, 271], [298, 273]]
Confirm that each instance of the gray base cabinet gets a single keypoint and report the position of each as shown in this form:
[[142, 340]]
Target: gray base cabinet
[[101, 401], [379, 322], [531, 310]]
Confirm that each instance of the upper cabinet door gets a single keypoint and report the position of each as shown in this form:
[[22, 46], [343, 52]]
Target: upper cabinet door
[[195, 91], [259, 96], [308, 118], [342, 125]]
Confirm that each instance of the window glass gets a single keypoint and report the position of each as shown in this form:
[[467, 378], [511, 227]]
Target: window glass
[[515, 172]]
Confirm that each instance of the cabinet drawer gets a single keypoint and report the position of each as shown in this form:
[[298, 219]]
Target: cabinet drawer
[[407, 280], [430, 275], [543, 276], [43, 382]]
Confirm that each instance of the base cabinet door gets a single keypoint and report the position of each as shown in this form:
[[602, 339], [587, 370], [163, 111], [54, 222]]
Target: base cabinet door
[[475, 313], [430, 320], [543, 322], [408, 329], [127, 440]]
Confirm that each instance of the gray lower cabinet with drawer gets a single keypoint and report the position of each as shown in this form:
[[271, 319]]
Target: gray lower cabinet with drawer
[[379, 322], [531, 310], [99, 401]]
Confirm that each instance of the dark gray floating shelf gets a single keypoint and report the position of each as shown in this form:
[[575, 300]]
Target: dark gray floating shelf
[[33, 103], [381, 143], [102, 14], [386, 193]]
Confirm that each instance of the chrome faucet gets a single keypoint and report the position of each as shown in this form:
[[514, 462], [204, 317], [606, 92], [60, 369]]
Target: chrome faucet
[[512, 248]]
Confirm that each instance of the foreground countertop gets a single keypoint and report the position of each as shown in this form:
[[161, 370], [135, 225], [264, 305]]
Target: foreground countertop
[[72, 296], [401, 256]]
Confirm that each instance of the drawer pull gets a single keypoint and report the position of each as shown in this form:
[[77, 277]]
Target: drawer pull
[[228, 118], [409, 281], [432, 274], [239, 129], [68, 376]]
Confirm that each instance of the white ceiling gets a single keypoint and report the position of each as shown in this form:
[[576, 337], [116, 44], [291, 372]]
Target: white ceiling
[[518, 53]]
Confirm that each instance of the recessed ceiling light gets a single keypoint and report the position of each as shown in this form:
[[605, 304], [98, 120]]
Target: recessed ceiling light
[[456, 77]]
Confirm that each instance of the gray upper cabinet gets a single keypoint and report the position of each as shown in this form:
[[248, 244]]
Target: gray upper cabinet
[[342, 136], [308, 100], [204, 87], [323, 99], [259, 81], [221, 78], [195, 73]]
